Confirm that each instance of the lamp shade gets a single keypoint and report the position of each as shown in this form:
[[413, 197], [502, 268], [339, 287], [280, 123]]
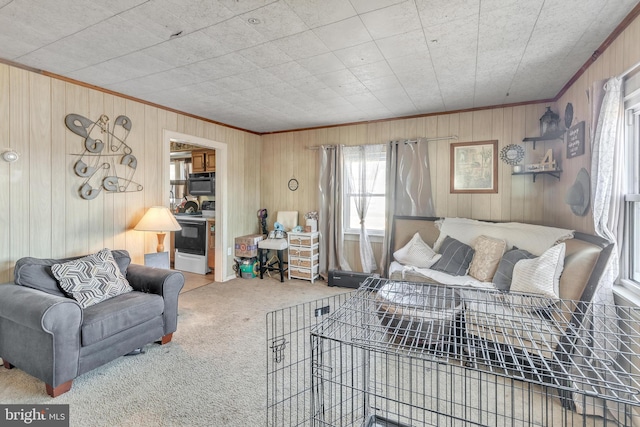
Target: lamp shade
[[158, 219]]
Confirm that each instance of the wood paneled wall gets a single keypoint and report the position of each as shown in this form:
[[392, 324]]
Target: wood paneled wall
[[518, 197], [41, 212]]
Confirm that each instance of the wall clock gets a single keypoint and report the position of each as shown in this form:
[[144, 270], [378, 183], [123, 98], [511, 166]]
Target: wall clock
[[512, 154], [293, 184]]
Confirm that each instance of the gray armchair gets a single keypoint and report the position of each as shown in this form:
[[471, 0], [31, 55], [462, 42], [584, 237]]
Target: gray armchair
[[50, 336]]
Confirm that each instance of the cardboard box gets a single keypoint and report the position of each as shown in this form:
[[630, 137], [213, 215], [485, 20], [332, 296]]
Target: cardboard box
[[247, 246]]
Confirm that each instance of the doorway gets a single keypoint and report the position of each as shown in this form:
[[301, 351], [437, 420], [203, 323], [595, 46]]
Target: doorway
[[221, 258]]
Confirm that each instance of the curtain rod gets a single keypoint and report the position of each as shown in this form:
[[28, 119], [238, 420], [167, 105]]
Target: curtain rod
[[441, 138], [406, 141], [629, 71]]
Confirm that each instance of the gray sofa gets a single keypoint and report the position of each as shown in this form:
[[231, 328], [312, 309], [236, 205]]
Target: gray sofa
[[49, 336]]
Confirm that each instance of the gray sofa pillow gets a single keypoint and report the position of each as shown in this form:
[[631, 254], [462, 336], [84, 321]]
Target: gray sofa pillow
[[504, 273], [36, 272], [456, 257]]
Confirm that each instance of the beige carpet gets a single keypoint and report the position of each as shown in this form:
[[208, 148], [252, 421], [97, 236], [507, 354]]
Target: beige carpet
[[213, 373]]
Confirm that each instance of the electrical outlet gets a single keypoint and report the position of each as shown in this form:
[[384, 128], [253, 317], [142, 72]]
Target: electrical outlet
[[228, 251]]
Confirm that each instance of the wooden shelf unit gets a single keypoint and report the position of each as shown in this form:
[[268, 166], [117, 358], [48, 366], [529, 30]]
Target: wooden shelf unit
[[549, 137]]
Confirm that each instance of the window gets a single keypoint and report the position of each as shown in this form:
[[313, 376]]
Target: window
[[633, 199], [632, 135], [365, 183]]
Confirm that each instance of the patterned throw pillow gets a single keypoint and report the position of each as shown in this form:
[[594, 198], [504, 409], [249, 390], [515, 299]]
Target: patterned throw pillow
[[504, 274], [486, 258], [416, 253], [456, 257], [541, 275], [91, 279]]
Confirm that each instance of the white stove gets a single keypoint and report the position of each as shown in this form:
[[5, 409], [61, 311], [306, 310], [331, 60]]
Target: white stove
[[191, 244]]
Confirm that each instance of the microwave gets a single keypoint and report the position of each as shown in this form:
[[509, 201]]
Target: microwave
[[202, 184]]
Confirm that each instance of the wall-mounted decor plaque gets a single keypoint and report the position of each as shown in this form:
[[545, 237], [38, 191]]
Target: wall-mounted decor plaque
[[575, 140]]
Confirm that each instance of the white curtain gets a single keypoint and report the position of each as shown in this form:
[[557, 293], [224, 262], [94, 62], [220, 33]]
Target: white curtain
[[330, 214], [608, 172], [608, 178], [362, 169]]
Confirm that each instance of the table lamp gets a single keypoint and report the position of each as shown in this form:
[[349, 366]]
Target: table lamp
[[160, 220]]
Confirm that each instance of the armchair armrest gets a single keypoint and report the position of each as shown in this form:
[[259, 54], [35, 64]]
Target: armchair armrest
[[40, 333], [166, 283]]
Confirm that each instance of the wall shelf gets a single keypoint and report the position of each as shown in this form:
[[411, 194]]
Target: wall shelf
[[554, 173], [549, 137]]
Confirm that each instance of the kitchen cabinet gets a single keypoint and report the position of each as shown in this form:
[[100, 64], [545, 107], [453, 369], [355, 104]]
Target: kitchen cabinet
[[203, 161], [304, 255]]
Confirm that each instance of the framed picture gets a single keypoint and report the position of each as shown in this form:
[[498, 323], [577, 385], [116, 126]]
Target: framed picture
[[474, 167]]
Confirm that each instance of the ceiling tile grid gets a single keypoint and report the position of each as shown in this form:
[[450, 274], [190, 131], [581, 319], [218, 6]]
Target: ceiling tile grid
[[270, 65]]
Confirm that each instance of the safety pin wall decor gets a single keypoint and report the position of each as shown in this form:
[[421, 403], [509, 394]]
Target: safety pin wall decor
[[107, 162]]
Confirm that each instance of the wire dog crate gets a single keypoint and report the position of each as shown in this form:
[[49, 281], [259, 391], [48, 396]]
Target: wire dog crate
[[417, 354]]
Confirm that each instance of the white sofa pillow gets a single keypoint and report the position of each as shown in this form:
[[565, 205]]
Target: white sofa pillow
[[540, 275], [416, 253]]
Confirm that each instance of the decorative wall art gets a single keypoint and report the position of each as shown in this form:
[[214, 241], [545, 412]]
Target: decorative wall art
[[474, 167], [107, 162], [575, 140]]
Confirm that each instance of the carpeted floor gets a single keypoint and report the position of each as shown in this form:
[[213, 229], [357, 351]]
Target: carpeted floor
[[213, 373]]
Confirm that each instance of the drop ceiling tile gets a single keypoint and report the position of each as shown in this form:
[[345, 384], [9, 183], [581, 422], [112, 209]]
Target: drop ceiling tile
[[175, 77], [389, 82], [277, 20], [411, 64], [90, 43], [372, 71], [438, 13], [289, 71], [55, 60], [259, 78], [301, 45], [265, 55], [391, 21], [166, 17], [135, 87], [321, 64], [317, 13], [40, 23], [343, 34], [364, 6], [221, 66], [130, 66], [365, 53], [187, 49], [410, 43], [12, 48], [234, 34]]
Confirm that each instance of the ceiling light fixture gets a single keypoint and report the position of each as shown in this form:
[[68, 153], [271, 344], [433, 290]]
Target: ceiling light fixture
[[253, 21]]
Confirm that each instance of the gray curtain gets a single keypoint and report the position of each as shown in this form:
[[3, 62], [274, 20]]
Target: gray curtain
[[361, 170], [330, 214], [408, 186]]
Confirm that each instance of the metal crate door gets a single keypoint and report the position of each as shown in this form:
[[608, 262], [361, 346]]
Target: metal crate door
[[289, 360]]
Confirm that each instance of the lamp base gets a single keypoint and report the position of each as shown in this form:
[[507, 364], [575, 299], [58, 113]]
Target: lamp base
[[160, 247]]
